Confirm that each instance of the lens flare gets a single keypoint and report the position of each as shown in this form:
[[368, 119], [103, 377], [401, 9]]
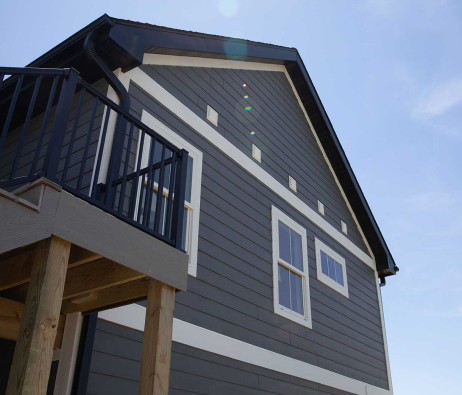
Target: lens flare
[[248, 108], [252, 132], [244, 85], [246, 97], [228, 8]]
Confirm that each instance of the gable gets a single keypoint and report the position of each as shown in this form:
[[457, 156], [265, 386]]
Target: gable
[[288, 144]]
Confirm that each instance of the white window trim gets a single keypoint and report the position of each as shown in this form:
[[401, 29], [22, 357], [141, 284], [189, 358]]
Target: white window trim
[[192, 230], [320, 246], [276, 216]]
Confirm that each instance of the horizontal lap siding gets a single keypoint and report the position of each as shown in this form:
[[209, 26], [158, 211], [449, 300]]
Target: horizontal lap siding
[[282, 132], [75, 162], [233, 293], [116, 362]]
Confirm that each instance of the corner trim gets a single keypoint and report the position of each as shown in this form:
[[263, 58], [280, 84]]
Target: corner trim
[[133, 316]]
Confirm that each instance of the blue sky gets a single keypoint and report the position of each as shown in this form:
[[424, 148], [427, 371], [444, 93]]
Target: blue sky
[[389, 73]]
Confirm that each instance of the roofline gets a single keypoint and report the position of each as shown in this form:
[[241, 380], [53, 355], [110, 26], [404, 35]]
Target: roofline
[[165, 37]]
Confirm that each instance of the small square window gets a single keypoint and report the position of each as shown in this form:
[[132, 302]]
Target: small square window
[[331, 268], [256, 152]]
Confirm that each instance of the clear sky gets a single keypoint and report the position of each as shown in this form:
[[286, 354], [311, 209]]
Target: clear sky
[[389, 73]]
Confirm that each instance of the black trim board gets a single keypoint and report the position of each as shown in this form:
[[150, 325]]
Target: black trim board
[[124, 43]]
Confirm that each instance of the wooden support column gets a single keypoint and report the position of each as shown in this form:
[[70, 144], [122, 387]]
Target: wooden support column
[[157, 340], [33, 354]]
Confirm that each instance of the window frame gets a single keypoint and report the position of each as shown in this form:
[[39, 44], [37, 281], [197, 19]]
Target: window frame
[[320, 246], [305, 319], [193, 207]]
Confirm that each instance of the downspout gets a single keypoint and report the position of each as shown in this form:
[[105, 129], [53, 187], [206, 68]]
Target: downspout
[[119, 133], [90, 51]]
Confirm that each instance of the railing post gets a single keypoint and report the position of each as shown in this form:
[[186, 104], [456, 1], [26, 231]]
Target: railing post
[[115, 159], [180, 189], [58, 130]]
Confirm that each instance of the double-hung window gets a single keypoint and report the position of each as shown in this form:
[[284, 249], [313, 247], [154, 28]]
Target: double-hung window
[[193, 186], [290, 269], [331, 268]]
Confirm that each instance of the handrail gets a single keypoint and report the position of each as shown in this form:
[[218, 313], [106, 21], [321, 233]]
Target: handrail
[[36, 103]]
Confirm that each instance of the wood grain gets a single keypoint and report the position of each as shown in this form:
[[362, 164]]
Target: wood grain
[[33, 354], [10, 321], [157, 340]]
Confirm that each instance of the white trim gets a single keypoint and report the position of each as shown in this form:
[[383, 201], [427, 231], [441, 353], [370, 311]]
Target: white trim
[[256, 153], [305, 319], [68, 354], [196, 182], [320, 207], [320, 246], [212, 115], [170, 60], [384, 333], [208, 132], [292, 184], [133, 316]]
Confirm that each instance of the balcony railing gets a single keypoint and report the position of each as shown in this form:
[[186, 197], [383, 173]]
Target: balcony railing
[[53, 124]]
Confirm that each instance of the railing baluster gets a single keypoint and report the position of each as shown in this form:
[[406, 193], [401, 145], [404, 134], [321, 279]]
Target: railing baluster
[[160, 193], [134, 193], [26, 125], [124, 176], [150, 184], [87, 143], [100, 153], [44, 123], [168, 223], [11, 111], [74, 131]]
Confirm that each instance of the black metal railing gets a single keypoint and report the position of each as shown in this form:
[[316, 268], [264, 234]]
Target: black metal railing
[[53, 124]]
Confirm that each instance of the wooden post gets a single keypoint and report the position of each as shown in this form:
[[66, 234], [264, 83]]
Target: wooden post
[[33, 354], [157, 340]]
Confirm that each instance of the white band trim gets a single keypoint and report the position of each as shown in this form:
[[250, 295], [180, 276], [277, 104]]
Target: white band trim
[[133, 316], [205, 130]]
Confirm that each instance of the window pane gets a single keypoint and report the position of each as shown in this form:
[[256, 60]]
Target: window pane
[[284, 288], [284, 242], [324, 266], [331, 265], [296, 293], [187, 195], [296, 250], [338, 273]]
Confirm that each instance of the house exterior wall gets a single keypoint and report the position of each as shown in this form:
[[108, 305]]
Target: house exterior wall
[[232, 294], [116, 361], [32, 137]]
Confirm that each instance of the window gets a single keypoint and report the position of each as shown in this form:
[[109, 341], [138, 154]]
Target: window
[[290, 269], [331, 268], [193, 186]]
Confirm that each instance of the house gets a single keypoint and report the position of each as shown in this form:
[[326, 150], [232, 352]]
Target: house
[[262, 238]]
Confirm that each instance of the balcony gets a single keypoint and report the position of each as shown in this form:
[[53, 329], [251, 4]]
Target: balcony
[[54, 125]]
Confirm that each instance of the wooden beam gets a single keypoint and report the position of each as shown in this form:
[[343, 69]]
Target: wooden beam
[[97, 275], [157, 340], [109, 297], [33, 354], [16, 270], [10, 321]]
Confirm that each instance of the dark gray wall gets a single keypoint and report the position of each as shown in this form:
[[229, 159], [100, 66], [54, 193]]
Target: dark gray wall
[[282, 132], [115, 370], [32, 137], [233, 294]]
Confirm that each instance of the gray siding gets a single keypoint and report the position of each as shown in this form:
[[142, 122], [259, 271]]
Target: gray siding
[[32, 137], [115, 369], [233, 294], [282, 132]]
